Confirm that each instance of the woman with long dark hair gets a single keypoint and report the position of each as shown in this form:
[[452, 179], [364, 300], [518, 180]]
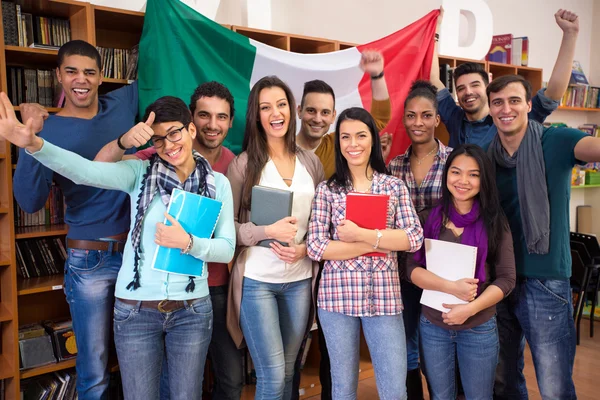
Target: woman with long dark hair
[[270, 289], [469, 213], [355, 288]]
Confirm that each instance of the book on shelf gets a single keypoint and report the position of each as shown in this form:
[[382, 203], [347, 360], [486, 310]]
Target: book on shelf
[[40, 257], [26, 85], [119, 63], [590, 129], [376, 218], [59, 385], [198, 215], [53, 212], [28, 30], [520, 51], [500, 49], [583, 96], [63, 338], [577, 75]]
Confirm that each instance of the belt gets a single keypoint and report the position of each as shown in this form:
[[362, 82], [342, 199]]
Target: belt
[[101, 245], [164, 306]]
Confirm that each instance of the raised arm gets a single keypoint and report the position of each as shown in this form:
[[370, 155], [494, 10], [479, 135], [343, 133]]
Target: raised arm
[[561, 73], [72, 166], [434, 75], [137, 136]]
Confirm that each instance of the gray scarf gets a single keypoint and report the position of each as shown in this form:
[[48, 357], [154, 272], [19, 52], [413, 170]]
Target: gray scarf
[[531, 185]]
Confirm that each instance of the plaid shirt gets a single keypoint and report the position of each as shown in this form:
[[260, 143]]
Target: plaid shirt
[[429, 192], [362, 286]]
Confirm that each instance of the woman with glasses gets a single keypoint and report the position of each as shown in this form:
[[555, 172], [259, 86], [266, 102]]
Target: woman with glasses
[[156, 314]]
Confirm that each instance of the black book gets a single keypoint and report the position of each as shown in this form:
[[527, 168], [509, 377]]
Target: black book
[[269, 205]]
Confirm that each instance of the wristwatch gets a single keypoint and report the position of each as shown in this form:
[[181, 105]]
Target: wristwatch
[[379, 236]]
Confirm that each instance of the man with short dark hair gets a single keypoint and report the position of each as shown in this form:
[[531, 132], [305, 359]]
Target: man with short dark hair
[[470, 122], [212, 108], [317, 111], [533, 174], [98, 219]]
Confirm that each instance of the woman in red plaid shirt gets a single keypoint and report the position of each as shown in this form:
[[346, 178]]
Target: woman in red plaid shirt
[[357, 289]]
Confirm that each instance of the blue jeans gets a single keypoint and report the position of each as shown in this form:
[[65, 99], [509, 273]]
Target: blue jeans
[[225, 356], [540, 311], [89, 286], [477, 353], [274, 318], [143, 335], [387, 345], [411, 299]]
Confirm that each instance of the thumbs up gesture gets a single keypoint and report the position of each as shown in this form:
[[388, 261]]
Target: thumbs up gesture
[[139, 134]]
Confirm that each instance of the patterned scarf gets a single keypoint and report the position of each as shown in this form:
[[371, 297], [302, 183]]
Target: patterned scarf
[[474, 234], [161, 177]]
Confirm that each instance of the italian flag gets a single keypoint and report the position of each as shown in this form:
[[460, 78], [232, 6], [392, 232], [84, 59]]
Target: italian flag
[[180, 49]]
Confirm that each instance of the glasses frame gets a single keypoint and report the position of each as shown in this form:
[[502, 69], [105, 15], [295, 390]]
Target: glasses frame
[[166, 137]]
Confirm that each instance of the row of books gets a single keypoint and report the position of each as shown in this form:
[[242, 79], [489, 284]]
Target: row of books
[[590, 129], [40, 257], [34, 86], [506, 49], [581, 96], [60, 385], [27, 30], [119, 63], [53, 212]]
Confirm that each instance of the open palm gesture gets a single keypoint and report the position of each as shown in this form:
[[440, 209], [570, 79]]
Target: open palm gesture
[[13, 130]]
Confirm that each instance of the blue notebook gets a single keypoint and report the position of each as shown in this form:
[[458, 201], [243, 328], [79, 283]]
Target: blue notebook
[[198, 215]]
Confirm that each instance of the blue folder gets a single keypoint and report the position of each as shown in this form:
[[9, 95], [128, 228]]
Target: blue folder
[[198, 215]]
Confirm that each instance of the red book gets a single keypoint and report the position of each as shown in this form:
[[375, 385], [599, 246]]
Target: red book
[[500, 50], [368, 211]]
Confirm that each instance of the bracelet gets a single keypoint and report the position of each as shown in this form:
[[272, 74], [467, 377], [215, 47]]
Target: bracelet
[[377, 76], [188, 248], [379, 236], [121, 144]]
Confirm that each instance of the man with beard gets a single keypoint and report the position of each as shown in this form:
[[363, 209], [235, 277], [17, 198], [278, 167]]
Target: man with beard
[[212, 108], [470, 122]]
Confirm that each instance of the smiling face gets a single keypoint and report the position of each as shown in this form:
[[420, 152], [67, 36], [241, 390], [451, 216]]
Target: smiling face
[[317, 114], [470, 90], [420, 120], [509, 109], [173, 143], [463, 180], [274, 112], [212, 119], [355, 142], [80, 77]]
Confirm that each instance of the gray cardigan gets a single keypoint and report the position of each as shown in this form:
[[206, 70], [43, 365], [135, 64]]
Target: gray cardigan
[[249, 234]]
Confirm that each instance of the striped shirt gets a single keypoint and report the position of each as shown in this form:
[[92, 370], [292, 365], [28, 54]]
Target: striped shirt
[[429, 192], [363, 286]]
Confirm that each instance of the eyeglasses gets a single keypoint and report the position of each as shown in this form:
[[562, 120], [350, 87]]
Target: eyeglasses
[[173, 136]]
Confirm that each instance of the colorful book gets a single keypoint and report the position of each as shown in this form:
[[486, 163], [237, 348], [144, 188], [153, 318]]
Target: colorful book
[[197, 215], [577, 75], [368, 211], [500, 50]]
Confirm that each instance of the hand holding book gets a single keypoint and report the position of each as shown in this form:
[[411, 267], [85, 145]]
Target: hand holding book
[[172, 236], [283, 230]]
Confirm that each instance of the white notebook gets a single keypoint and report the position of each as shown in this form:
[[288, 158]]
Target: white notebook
[[451, 261]]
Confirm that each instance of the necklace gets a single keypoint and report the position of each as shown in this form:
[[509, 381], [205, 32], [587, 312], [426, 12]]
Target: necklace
[[420, 160]]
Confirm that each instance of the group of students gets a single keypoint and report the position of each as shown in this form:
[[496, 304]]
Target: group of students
[[486, 193]]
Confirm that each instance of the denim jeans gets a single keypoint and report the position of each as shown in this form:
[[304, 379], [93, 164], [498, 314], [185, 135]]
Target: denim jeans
[[89, 286], [144, 335], [387, 345], [411, 299], [476, 350], [540, 311], [225, 356], [273, 318]]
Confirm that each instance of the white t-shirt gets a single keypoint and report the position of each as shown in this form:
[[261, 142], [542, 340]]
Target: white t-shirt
[[261, 263]]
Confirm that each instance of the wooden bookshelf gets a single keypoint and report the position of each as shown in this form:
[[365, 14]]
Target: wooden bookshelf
[[49, 109], [274, 39], [28, 57], [40, 284], [30, 232], [566, 108], [44, 369]]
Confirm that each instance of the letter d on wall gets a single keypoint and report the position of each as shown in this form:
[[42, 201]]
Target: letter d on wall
[[480, 28]]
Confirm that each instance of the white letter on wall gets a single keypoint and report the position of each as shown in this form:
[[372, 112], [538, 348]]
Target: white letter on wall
[[480, 28]]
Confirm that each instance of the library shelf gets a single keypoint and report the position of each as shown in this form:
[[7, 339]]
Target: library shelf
[[29, 232], [584, 186], [117, 81], [566, 108], [44, 369], [4, 210], [49, 109], [39, 284], [4, 260], [25, 56]]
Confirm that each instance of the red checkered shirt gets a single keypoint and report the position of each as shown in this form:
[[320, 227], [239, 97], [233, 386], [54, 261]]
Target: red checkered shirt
[[363, 286], [429, 192]]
